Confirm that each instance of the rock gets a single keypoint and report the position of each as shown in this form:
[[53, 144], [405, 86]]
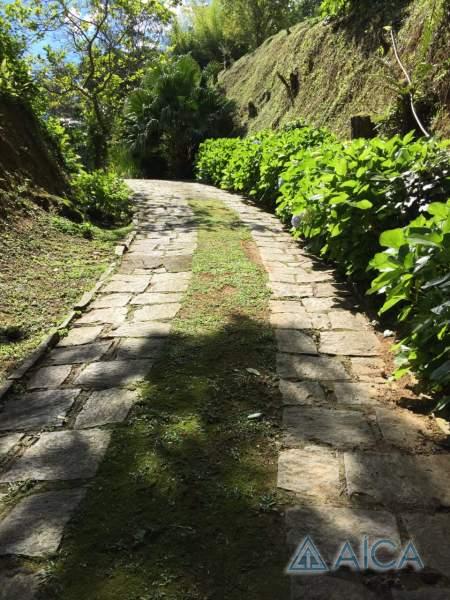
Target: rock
[[310, 367], [49, 377], [306, 393], [142, 330], [35, 526], [80, 335], [349, 343], [111, 301], [106, 406], [430, 533], [295, 342], [318, 305], [344, 319], [330, 527], [157, 312], [7, 442], [138, 348], [312, 472], [290, 321], [115, 373], [358, 393], [128, 284], [390, 479], [368, 369], [112, 316], [37, 409], [157, 298], [78, 354], [404, 429], [337, 428], [60, 456]]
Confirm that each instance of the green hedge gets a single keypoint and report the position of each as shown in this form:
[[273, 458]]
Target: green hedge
[[343, 197]]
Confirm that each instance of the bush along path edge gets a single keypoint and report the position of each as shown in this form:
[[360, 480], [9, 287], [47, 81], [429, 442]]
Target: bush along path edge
[[348, 201]]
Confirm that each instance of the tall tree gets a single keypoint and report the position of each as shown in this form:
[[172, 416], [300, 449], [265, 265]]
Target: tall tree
[[97, 51]]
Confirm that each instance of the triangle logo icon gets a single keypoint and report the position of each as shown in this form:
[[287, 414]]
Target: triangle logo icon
[[307, 560]]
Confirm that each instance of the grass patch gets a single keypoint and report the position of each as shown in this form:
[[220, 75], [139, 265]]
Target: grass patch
[[46, 263], [185, 505]]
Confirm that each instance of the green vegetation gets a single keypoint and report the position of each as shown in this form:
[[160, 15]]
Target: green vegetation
[[341, 197], [46, 263], [226, 29], [192, 507], [173, 110]]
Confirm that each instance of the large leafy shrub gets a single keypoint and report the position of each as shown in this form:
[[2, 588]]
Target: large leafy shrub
[[344, 198], [103, 197], [415, 279], [346, 194]]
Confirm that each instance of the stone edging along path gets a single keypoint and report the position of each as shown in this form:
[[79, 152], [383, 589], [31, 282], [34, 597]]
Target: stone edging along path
[[354, 462]]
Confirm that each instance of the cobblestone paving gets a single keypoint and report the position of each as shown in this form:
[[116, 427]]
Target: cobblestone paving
[[354, 463]]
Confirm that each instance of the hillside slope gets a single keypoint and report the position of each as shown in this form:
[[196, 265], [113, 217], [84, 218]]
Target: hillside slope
[[340, 69], [24, 151]]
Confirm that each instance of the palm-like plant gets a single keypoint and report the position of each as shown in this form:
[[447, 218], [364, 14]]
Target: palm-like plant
[[172, 112]]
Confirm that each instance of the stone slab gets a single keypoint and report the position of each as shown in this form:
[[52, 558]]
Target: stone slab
[[306, 393], [128, 284], [7, 442], [345, 319], [404, 429], [142, 330], [337, 428], [110, 316], [73, 355], [290, 321], [330, 290], [358, 394], [287, 306], [431, 535], [80, 335], [330, 527], [60, 456], [295, 342], [349, 343], [157, 312], [35, 526], [49, 377], [106, 407], [19, 584], [37, 409], [371, 370], [318, 305], [111, 301], [396, 479], [114, 373], [312, 472], [157, 298], [289, 290], [135, 348], [330, 588], [310, 367]]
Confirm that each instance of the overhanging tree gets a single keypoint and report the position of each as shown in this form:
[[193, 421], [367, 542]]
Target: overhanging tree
[[100, 49]]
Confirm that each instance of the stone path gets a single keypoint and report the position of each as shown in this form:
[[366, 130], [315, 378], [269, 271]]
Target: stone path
[[55, 433], [353, 463]]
